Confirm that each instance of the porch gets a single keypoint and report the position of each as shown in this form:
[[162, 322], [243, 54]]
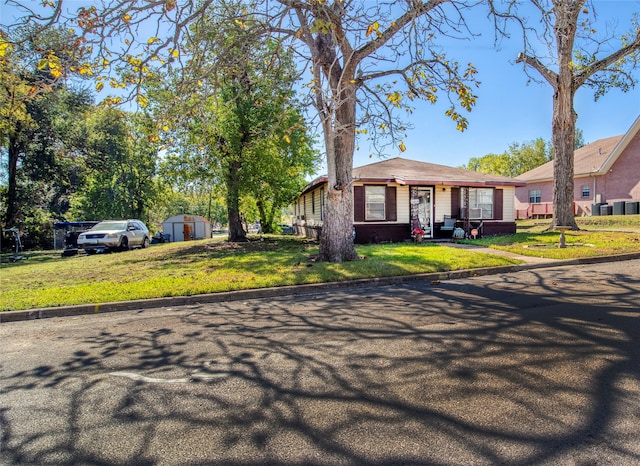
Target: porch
[[539, 210]]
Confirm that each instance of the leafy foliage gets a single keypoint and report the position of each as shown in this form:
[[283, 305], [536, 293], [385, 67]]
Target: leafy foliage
[[121, 165], [519, 158], [243, 133], [366, 65]]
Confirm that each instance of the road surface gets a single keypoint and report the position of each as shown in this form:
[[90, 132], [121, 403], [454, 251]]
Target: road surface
[[535, 367]]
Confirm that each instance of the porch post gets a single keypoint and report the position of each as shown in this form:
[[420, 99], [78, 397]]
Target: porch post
[[465, 209]]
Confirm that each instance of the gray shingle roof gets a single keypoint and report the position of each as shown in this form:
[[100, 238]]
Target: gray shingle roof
[[413, 172], [588, 159]]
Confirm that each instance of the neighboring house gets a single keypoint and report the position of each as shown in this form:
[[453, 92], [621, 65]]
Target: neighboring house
[[394, 196], [185, 227], [605, 172]]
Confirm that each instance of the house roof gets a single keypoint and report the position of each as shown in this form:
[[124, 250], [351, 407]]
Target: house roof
[[413, 172], [593, 159]]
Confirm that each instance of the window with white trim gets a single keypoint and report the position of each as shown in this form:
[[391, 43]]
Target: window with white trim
[[480, 203], [535, 196], [586, 192], [374, 202]]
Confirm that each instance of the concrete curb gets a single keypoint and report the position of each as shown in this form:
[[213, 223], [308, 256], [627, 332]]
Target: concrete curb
[[101, 308]]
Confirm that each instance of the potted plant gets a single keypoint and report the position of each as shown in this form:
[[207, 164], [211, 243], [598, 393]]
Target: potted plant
[[418, 234]]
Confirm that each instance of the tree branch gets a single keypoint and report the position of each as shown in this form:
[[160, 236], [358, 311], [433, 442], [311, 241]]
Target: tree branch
[[533, 62], [602, 64]]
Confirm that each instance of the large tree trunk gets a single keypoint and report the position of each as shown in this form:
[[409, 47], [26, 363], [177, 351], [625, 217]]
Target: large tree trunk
[[564, 116], [563, 171], [236, 230], [336, 240]]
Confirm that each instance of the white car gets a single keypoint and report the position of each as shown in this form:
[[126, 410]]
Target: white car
[[118, 235]]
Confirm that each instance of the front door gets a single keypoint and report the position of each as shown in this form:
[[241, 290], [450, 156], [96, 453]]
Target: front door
[[425, 210]]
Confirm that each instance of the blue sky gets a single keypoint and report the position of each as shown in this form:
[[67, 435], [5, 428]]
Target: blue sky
[[509, 109]]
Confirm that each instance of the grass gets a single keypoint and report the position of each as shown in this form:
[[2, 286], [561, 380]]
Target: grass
[[210, 266], [46, 280], [598, 236]]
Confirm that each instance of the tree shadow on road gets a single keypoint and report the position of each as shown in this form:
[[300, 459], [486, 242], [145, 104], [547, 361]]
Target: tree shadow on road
[[485, 371]]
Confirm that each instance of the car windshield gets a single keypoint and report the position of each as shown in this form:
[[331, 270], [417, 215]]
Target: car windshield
[[103, 226]]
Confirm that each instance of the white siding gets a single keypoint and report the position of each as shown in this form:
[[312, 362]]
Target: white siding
[[313, 213], [508, 204], [304, 212], [442, 202], [403, 204]]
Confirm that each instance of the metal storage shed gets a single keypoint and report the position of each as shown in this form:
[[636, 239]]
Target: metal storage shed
[[185, 227]]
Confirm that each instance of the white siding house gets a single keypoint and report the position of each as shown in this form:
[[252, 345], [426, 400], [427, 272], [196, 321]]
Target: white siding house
[[394, 196]]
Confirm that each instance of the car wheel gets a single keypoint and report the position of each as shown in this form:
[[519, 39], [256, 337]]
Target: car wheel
[[124, 244], [145, 243]]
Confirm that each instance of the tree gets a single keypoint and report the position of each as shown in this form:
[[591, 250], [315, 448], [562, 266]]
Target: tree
[[498, 164], [580, 58], [15, 120], [579, 142], [41, 160], [527, 156], [519, 158], [243, 129], [120, 158], [34, 106], [368, 61]]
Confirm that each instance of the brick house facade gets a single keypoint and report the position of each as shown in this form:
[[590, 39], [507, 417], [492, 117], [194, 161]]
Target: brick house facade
[[606, 171]]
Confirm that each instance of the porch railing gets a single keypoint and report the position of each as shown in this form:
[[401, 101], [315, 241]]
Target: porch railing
[[539, 210]]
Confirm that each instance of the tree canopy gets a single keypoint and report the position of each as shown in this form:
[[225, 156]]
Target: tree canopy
[[242, 129]]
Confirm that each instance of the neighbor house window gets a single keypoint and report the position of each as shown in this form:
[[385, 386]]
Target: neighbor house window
[[535, 196], [313, 202], [480, 203], [374, 202], [586, 192]]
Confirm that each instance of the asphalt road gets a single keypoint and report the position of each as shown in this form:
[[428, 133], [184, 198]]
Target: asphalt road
[[535, 367]]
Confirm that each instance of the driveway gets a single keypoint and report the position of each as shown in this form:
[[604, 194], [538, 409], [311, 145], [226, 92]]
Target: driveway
[[536, 367]]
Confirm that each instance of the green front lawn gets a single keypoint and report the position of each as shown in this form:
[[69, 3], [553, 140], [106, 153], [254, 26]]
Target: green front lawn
[[598, 236], [45, 279]]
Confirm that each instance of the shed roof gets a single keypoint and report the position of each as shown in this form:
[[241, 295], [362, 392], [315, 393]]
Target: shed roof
[[180, 218]]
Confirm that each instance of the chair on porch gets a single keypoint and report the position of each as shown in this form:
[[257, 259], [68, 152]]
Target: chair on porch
[[449, 223]]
